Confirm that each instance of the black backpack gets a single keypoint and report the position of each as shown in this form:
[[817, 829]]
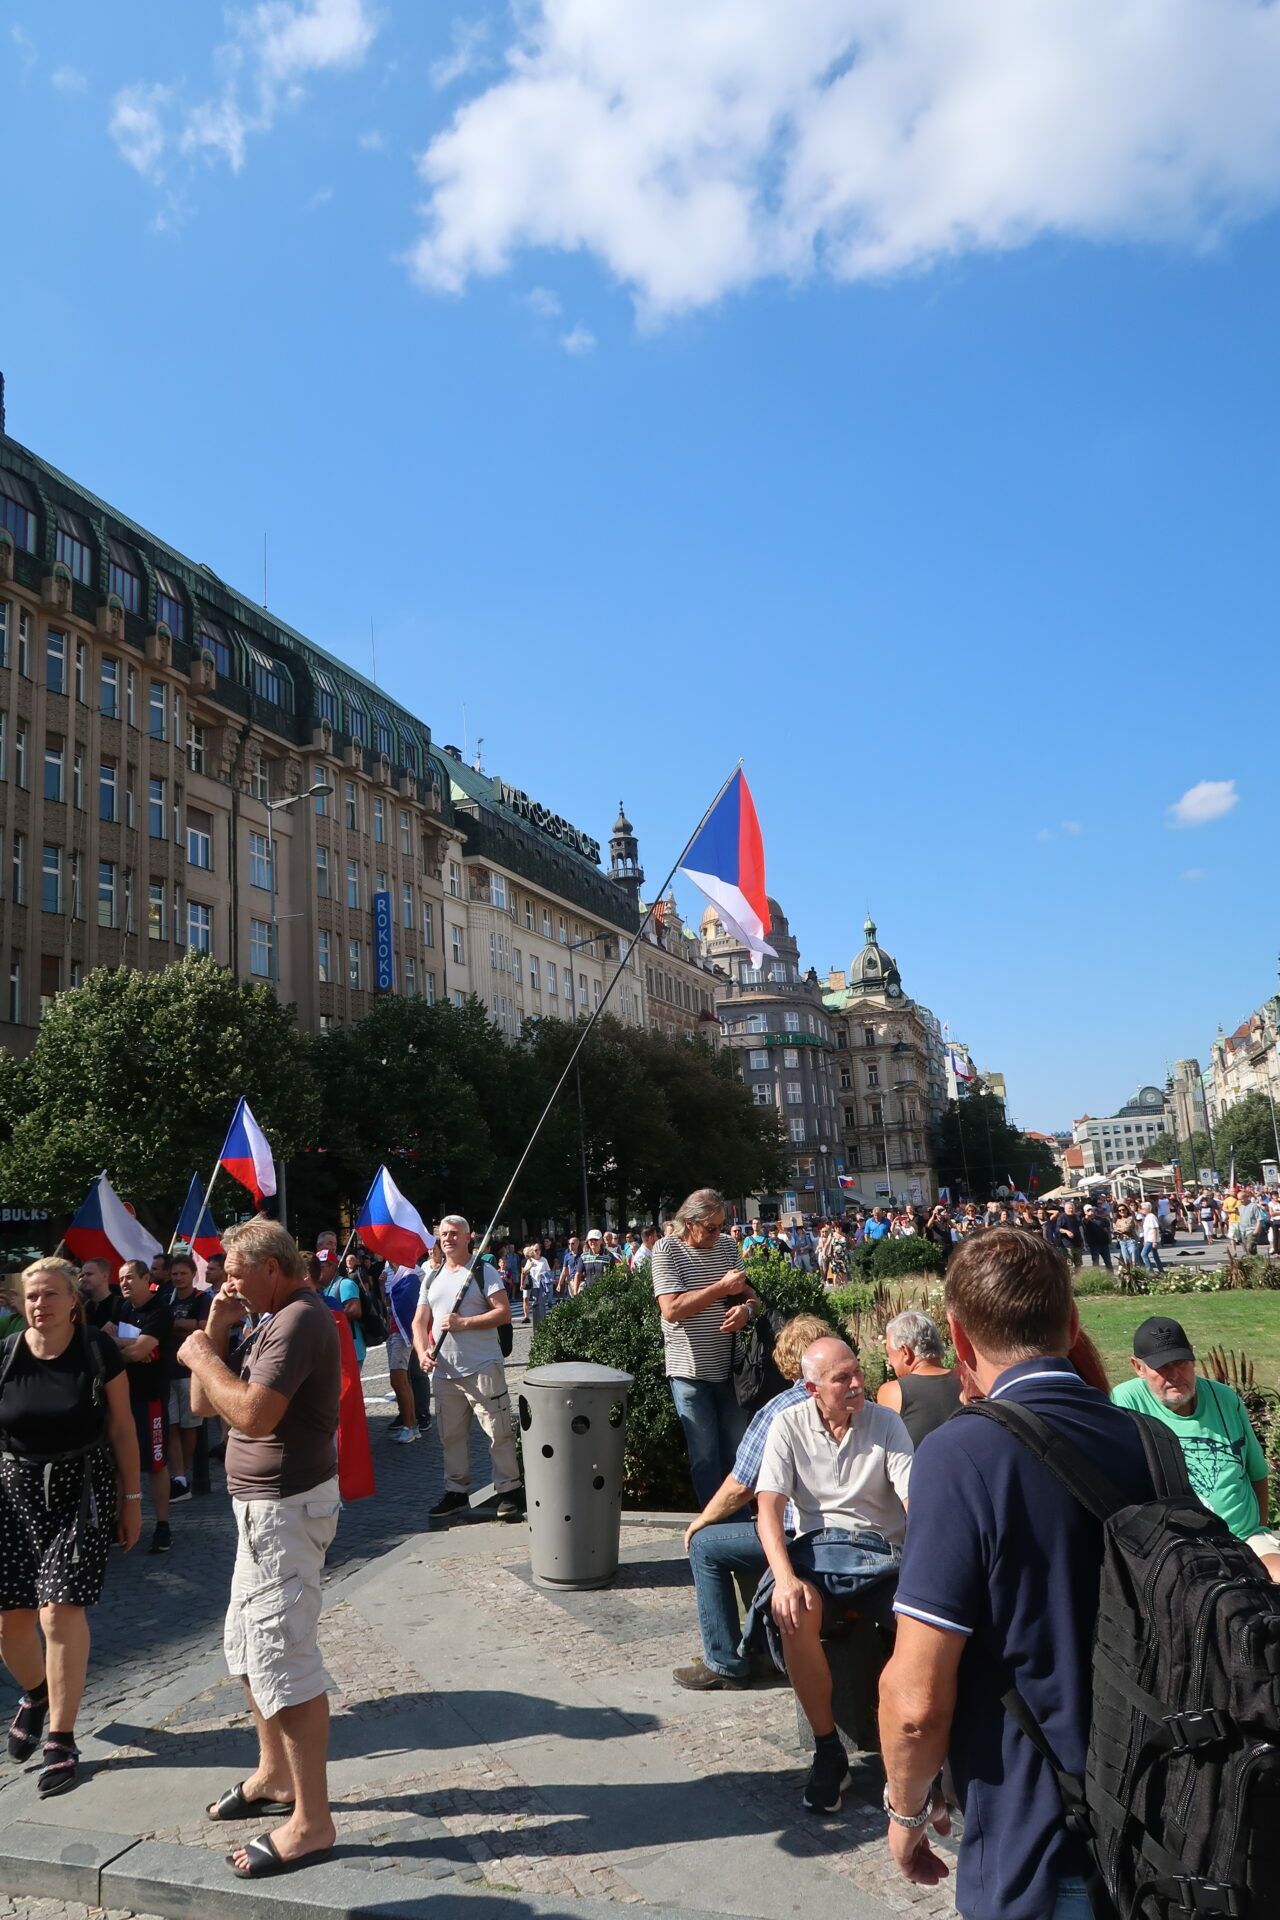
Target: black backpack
[[756, 1379], [373, 1315], [1180, 1803]]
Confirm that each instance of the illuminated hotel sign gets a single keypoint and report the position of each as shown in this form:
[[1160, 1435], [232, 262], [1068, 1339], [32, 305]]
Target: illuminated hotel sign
[[549, 823]]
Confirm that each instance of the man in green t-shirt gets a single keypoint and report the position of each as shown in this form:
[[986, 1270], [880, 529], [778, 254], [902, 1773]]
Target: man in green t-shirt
[[1225, 1463]]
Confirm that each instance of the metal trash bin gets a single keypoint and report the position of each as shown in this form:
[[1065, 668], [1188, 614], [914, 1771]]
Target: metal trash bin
[[572, 1425]]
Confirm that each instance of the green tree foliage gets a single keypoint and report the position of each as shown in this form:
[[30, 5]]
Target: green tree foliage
[[978, 1150], [1248, 1128], [140, 1073]]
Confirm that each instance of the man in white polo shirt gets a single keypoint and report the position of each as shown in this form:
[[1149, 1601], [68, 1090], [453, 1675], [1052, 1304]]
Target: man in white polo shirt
[[455, 1336], [845, 1464]]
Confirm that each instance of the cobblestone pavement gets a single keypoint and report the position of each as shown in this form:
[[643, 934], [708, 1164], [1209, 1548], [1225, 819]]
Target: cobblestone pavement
[[23, 1908]]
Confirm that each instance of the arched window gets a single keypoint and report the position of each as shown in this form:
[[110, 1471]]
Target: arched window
[[271, 679], [18, 510], [170, 606], [326, 697], [75, 545], [215, 640]]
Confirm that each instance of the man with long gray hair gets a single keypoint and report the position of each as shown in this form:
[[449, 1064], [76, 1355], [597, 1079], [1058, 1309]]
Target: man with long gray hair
[[455, 1336]]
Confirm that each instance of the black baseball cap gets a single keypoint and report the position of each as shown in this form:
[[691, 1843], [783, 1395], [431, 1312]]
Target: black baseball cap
[[1159, 1342]]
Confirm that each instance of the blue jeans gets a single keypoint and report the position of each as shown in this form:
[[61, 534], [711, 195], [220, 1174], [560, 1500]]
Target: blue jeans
[[1128, 1251], [1151, 1257], [1072, 1902], [716, 1554], [713, 1424]]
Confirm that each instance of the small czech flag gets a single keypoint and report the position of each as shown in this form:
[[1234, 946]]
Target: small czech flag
[[104, 1229], [246, 1155], [390, 1225], [846, 1180], [726, 862], [196, 1229]]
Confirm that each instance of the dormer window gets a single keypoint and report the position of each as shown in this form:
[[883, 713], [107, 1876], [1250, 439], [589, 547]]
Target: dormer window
[[74, 545]]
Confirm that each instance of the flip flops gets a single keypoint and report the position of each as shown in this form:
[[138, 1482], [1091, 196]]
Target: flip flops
[[264, 1860], [234, 1806]]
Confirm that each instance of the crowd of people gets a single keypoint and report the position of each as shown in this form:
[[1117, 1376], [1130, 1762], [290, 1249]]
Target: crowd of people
[[942, 1535]]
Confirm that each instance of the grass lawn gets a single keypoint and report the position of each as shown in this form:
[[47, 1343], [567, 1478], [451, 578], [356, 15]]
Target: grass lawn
[[1233, 1320]]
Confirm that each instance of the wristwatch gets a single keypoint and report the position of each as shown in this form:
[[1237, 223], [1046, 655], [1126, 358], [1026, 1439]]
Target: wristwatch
[[909, 1819]]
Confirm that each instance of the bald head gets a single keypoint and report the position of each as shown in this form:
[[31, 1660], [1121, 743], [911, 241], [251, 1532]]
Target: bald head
[[833, 1377], [821, 1355]]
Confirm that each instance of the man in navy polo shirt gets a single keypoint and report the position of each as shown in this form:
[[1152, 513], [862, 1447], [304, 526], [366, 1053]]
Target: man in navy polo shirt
[[999, 1587]]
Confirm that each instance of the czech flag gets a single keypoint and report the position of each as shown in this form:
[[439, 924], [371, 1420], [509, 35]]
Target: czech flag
[[846, 1180], [196, 1229], [104, 1229], [726, 862], [390, 1225], [246, 1155], [403, 1292], [960, 1067]]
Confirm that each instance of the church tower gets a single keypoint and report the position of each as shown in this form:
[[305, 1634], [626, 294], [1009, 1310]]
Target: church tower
[[624, 858]]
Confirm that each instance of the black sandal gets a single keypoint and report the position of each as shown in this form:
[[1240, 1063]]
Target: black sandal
[[263, 1860], [233, 1805], [59, 1773], [28, 1725]]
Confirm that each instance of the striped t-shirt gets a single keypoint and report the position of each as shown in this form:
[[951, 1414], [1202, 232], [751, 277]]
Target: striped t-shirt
[[696, 1349]]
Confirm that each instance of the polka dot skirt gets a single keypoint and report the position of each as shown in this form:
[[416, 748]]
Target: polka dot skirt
[[53, 1545]]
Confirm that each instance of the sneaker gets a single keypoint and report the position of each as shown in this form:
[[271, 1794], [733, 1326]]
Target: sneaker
[[178, 1490], [828, 1777], [451, 1503], [700, 1678], [510, 1507], [161, 1539], [424, 1426], [405, 1436], [394, 1433]]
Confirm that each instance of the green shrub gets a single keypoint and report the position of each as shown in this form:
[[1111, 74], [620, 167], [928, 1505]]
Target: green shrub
[[788, 1291], [1097, 1280], [896, 1259], [857, 1297]]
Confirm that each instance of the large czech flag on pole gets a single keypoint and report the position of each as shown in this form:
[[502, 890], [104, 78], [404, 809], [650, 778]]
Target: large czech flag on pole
[[726, 862], [246, 1155], [104, 1229], [195, 1227], [390, 1225]]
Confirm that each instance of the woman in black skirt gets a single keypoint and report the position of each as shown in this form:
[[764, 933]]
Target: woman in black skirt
[[67, 1450]]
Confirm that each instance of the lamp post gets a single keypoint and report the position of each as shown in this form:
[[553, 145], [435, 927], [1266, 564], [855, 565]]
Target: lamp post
[[273, 807]]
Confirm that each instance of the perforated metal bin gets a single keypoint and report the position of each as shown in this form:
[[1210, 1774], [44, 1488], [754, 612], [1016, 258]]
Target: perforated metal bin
[[572, 1424]]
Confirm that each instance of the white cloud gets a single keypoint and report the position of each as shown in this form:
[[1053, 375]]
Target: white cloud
[[137, 127], [28, 52], [579, 339], [698, 146], [1207, 800], [1195, 873], [372, 142], [320, 198], [543, 302], [277, 45], [1044, 834], [1071, 826], [69, 80], [468, 53]]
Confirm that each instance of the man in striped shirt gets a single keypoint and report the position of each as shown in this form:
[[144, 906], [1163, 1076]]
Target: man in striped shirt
[[705, 1300]]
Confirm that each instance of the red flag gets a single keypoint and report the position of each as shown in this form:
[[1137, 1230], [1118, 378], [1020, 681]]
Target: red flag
[[355, 1458]]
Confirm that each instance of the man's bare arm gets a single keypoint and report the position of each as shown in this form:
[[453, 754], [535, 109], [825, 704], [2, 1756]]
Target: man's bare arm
[[729, 1498], [252, 1409], [917, 1705]]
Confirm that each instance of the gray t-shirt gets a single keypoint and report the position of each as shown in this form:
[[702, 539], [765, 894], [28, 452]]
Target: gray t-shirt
[[296, 1353], [695, 1349], [460, 1355]]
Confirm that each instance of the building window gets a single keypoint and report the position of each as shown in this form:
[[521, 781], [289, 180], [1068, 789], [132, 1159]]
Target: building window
[[108, 908], [582, 989], [15, 974], [380, 883], [846, 1078], [155, 910], [55, 656], [21, 523], [406, 834], [562, 930], [5, 611], [455, 945], [50, 981], [199, 927], [552, 986], [158, 711], [459, 997], [411, 976], [195, 747], [319, 779], [214, 641], [498, 891], [406, 907], [18, 889], [324, 957], [353, 962], [156, 825], [20, 757], [357, 725], [353, 884], [260, 949], [796, 1130], [108, 791], [535, 982], [455, 880], [75, 556], [322, 873], [131, 697], [55, 754], [428, 924], [169, 612], [383, 741], [199, 839], [77, 781], [595, 988], [51, 880], [350, 806], [271, 681], [379, 821], [795, 1093], [24, 644], [109, 689], [128, 587], [873, 1074], [429, 988], [762, 1094], [868, 1036], [791, 1056], [82, 653], [129, 801], [791, 1022], [259, 860], [758, 1059], [517, 963], [875, 1114]]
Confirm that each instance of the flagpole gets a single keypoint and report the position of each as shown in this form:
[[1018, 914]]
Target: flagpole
[[585, 1034]]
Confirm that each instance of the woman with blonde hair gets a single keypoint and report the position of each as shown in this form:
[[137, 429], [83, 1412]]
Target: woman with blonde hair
[[69, 1485]]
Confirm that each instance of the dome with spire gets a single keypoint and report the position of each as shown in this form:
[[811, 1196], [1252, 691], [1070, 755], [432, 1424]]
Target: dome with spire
[[873, 970], [622, 824]]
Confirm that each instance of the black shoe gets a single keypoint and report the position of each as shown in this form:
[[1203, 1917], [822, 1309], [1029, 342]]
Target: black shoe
[[828, 1777], [700, 1678], [424, 1426], [161, 1539], [510, 1507], [178, 1490], [451, 1503]]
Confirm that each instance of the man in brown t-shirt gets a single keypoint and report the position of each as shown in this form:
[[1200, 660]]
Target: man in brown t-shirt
[[280, 1399]]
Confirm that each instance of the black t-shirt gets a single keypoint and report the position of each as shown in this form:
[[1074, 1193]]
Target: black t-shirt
[[46, 1406], [99, 1312], [195, 1307], [149, 1379]]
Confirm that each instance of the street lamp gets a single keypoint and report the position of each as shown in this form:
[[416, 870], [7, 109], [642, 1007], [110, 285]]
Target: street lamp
[[273, 807]]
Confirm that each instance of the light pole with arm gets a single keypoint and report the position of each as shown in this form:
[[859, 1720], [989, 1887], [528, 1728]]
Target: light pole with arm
[[319, 788]]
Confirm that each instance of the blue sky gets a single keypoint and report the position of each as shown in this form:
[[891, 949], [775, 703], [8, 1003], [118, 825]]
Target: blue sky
[[663, 405]]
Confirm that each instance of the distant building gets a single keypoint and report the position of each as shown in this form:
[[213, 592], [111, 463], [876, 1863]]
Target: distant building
[[1188, 1099], [1125, 1137], [1245, 1061]]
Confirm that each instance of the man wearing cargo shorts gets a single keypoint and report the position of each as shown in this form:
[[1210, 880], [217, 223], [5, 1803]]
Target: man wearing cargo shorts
[[281, 1404]]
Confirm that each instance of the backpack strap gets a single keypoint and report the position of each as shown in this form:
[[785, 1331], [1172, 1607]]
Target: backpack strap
[[1165, 1458], [9, 1351], [1077, 1473]]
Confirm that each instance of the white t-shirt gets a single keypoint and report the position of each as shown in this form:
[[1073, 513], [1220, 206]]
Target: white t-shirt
[[1150, 1230], [859, 1482], [461, 1355]]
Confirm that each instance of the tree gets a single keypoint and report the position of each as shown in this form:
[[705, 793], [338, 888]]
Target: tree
[[1248, 1128], [140, 1073], [978, 1150]]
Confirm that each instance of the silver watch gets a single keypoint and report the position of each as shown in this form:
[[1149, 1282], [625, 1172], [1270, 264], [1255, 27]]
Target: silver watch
[[909, 1819]]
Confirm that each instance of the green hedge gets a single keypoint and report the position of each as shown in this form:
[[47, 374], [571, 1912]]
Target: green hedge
[[896, 1259]]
